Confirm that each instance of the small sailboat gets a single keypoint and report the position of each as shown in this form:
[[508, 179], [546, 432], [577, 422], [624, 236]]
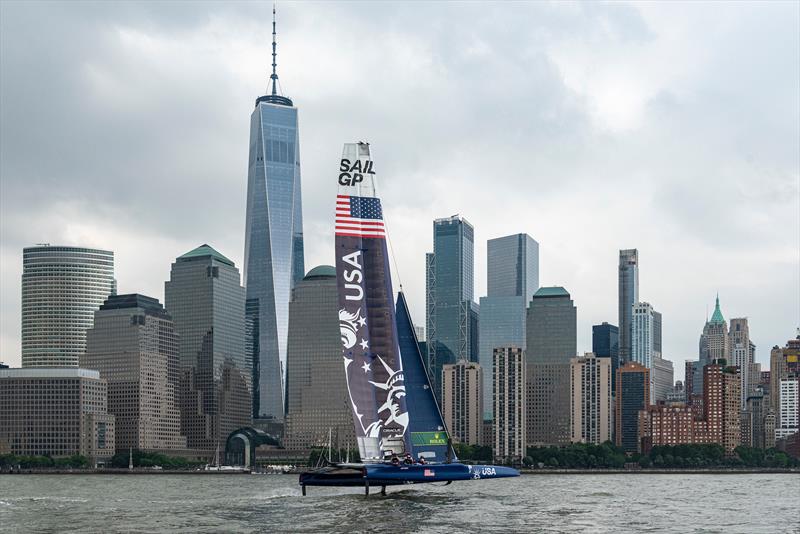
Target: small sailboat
[[401, 435]]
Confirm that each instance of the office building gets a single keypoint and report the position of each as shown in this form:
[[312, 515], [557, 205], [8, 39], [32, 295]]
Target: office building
[[633, 396], [62, 287], [628, 282], [605, 344], [657, 323], [273, 255], [714, 341], [662, 378], [590, 388], [693, 380], [742, 352], [783, 364], [462, 406], [754, 420], [452, 321], [206, 302], [134, 346], [512, 278], [319, 405], [642, 334], [508, 372], [55, 412], [551, 330], [788, 420]]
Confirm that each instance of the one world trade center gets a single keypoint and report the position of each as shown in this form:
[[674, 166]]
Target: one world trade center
[[273, 255]]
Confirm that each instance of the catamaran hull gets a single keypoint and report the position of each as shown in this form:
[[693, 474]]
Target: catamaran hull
[[392, 475]]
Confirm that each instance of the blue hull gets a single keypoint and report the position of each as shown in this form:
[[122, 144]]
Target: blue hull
[[392, 475]]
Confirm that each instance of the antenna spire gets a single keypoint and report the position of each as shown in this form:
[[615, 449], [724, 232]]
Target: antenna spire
[[274, 76]]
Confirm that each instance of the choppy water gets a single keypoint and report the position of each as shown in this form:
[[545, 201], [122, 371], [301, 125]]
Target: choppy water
[[541, 503]]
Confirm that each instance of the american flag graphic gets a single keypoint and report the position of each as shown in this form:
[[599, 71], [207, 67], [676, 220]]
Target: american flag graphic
[[428, 473], [359, 217]]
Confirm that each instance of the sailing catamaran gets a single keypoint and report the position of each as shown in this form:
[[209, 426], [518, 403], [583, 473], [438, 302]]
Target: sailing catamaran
[[401, 436]]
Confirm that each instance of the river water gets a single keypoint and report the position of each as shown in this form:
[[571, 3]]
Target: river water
[[727, 503]]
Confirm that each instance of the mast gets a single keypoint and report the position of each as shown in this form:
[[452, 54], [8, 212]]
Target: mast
[[274, 76]]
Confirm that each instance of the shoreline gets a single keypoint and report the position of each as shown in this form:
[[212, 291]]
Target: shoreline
[[710, 471]]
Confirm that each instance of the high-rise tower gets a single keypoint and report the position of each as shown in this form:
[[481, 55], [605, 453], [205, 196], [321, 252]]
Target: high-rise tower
[[551, 342], [512, 279], [62, 287], [206, 302], [452, 323], [628, 296], [273, 254]]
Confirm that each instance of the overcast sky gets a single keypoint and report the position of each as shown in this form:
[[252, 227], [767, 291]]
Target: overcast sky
[[672, 128]]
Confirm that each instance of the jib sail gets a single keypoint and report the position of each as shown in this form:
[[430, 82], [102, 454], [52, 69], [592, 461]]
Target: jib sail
[[429, 438]]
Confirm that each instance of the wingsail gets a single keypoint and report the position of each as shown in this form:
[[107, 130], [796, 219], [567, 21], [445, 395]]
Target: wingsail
[[372, 358]]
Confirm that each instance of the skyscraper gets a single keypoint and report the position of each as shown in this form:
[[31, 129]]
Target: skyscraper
[[741, 353], [590, 386], [628, 296], [316, 391], [452, 314], [633, 396], [462, 401], [714, 341], [206, 302], [662, 379], [642, 334], [509, 402], [273, 255], [645, 322], [512, 279], [550, 345], [134, 346], [62, 287], [605, 344], [784, 363]]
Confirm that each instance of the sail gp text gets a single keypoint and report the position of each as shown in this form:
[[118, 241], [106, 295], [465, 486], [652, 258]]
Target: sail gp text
[[353, 173]]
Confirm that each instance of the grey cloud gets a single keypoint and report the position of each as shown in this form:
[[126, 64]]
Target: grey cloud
[[135, 118]]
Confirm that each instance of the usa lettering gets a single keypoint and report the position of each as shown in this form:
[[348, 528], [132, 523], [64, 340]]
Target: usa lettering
[[353, 289], [353, 173]]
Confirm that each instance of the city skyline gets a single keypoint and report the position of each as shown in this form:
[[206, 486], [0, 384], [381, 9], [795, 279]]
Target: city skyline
[[103, 205]]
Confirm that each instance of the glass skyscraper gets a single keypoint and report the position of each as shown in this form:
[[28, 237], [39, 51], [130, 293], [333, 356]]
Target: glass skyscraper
[[273, 256], [605, 344], [551, 342], [512, 278], [62, 287], [452, 321], [628, 296], [206, 302]]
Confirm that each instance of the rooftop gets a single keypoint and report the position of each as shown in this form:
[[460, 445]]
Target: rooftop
[[555, 291], [321, 271], [133, 300], [205, 251], [49, 372], [717, 316]]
